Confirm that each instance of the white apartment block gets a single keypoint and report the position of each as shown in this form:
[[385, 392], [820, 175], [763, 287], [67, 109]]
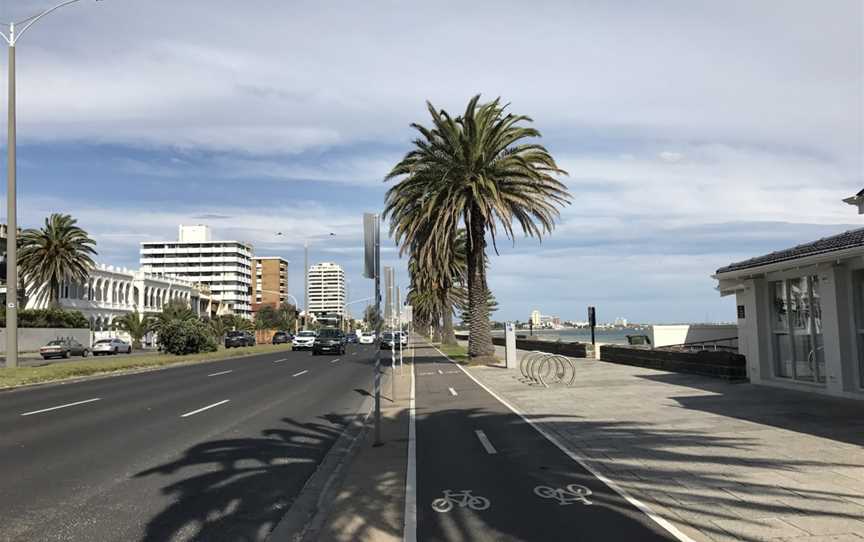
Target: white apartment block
[[326, 289], [225, 267]]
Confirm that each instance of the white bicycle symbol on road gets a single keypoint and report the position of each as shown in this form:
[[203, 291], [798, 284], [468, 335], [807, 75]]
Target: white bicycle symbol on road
[[463, 498], [572, 493]]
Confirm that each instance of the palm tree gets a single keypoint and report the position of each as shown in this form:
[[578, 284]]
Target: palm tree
[[476, 171], [136, 326], [58, 252], [174, 310]]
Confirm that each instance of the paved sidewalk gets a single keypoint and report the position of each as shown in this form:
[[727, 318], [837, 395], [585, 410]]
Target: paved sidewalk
[[721, 461], [370, 500]]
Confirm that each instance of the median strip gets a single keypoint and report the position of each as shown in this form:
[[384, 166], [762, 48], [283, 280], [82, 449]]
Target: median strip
[[202, 409], [221, 373], [60, 406], [301, 373]]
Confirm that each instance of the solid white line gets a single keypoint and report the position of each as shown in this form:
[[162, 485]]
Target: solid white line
[[647, 510], [280, 360], [222, 372], [410, 532], [452, 392], [301, 373], [208, 407], [484, 440], [60, 406]]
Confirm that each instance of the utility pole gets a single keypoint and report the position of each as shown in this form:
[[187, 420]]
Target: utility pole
[[306, 284]]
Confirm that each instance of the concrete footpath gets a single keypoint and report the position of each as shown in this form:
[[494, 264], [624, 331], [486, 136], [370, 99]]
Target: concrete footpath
[[720, 461], [366, 501]]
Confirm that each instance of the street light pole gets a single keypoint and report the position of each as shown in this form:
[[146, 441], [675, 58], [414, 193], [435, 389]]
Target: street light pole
[[306, 284], [11, 190]]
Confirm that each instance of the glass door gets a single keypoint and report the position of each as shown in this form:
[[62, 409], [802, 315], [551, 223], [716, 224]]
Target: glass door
[[797, 330]]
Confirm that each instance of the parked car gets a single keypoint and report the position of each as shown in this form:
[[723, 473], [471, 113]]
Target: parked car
[[111, 347], [303, 341], [367, 337], [329, 340], [282, 337], [239, 338], [63, 348]]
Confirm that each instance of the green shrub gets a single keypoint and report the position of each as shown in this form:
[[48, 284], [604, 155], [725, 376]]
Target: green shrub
[[52, 317], [182, 337]]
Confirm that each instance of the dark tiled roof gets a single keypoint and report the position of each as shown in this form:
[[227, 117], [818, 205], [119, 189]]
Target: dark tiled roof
[[849, 239]]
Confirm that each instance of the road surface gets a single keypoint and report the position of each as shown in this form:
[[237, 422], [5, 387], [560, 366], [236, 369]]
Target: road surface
[[213, 451]]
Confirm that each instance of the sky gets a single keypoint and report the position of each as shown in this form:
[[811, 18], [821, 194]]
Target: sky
[[695, 134]]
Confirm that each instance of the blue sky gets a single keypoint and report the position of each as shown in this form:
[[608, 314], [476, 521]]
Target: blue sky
[[695, 134]]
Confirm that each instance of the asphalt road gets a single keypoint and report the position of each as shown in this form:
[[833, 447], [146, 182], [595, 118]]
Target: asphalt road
[[484, 474], [215, 451]]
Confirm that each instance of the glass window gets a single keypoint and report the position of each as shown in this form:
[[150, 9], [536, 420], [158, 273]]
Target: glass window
[[797, 329]]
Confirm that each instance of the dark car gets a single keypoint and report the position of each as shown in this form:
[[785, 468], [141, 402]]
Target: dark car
[[63, 348], [329, 340], [282, 337], [387, 341], [239, 338], [351, 338]]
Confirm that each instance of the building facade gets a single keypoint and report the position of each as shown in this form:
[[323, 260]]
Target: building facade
[[801, 315], [326, 289], [111, 292], [270, 284], [535, 318], [225, 267]]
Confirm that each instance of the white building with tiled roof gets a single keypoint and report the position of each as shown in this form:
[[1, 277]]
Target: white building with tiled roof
[[801, 315]]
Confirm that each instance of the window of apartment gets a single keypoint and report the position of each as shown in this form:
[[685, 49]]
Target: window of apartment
[[796, 329], [858, 292]]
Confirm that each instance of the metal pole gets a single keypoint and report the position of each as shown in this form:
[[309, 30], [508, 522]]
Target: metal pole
[[12, 218], [377, 331], [306, 284]]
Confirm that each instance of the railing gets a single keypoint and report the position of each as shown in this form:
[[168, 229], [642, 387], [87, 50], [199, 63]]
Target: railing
[[545, 369], [710, 344]]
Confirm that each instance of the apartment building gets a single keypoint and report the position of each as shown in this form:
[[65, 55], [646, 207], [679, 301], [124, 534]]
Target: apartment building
[[326, 289], [270, 284], [225, 267]]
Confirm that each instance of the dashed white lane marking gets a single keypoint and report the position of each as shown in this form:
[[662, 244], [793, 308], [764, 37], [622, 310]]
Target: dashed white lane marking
[[334, 361], [484, 440], [452, 392], [301, 373], [60, 406], [440, 372], [222, 373], [202, 409], [280, 360]]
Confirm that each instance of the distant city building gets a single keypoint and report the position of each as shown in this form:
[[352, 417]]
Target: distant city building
[[326, 293], [801, 315], [225, 267], [535, 317], [621, 322], [270, 284]]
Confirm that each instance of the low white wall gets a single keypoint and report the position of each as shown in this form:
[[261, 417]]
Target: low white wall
[[666, 335], [31, 338]]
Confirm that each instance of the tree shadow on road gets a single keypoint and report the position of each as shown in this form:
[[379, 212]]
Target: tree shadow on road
[[238, 489]]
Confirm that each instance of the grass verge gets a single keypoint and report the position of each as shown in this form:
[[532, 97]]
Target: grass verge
[[22, 376], [457, 353]]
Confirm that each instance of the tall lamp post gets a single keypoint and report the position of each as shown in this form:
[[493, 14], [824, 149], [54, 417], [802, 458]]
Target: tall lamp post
[[11, 200]]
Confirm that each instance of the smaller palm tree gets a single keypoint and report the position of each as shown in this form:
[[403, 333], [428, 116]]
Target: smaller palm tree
[[58, 252], [173, 311], [136, 326]]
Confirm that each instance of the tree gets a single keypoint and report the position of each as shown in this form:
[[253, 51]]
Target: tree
[[371, 317], [174, 310], [235, 322], [491, 306], [183, 336], [475, 171], [135, 325], [58, 252], [267, 318], [217, 327], [287, 313]]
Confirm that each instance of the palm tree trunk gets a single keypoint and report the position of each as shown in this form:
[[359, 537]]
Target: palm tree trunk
[[480, 338], [448, 337]]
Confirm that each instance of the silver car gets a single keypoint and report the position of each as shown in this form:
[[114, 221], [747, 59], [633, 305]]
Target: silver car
[[110, 347]]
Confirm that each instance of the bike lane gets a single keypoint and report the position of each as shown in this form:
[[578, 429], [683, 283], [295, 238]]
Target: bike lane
[[511, 483]]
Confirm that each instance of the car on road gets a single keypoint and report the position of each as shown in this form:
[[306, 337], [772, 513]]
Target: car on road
[[329, 340], [303, 340], [63, 348], [239, 338], [387, 341], [367, 337], [351, 338], [282, 337], [111, 347]]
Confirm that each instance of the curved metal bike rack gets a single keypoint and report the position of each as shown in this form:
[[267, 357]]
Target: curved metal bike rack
[[545, 369]]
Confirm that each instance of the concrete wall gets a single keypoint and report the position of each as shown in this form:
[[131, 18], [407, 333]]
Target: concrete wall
[[667, 335], [31, 338]]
